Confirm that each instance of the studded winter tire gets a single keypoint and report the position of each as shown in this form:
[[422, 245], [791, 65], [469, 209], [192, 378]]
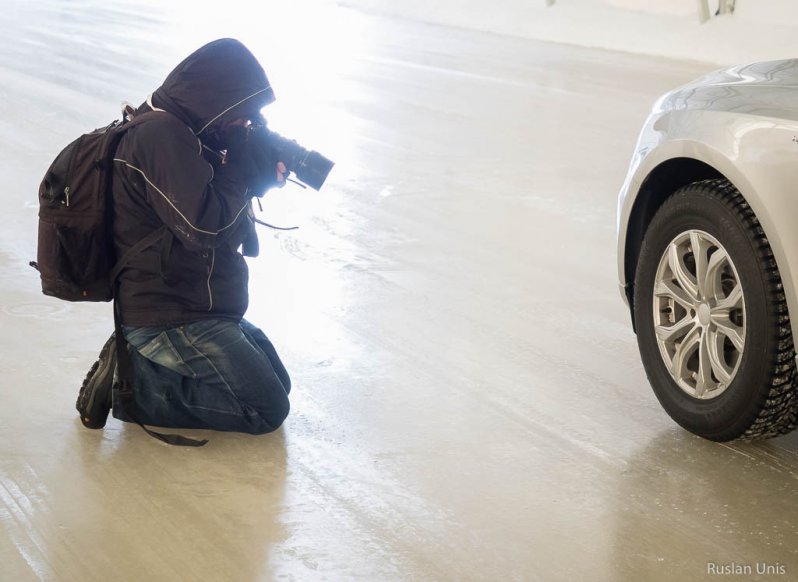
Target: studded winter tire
[[711, 317]]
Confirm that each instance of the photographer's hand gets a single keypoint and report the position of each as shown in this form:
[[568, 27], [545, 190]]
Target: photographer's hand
[[282, 172]]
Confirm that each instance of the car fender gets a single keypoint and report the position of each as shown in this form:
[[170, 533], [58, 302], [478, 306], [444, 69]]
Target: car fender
[[759, 155]]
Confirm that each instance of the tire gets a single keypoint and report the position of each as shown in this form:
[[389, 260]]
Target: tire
[[717, 348]]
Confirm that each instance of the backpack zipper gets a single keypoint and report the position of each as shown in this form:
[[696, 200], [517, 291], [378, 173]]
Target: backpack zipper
[[71, 166]]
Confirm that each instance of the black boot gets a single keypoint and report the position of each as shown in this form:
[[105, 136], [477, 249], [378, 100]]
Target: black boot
[[94, 398]]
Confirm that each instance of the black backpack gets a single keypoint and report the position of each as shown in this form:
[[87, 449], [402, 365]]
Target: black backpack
[[75, 254]]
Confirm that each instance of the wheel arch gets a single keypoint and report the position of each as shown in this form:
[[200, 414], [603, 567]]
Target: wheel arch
[[656, 188]]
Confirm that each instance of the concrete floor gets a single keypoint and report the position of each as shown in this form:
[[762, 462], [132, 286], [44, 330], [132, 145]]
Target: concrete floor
[[468, 398]]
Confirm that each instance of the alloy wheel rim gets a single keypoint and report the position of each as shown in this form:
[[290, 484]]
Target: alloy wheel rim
[[699, 314]]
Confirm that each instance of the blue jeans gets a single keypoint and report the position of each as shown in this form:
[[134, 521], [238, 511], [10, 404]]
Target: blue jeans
[[211, 374]]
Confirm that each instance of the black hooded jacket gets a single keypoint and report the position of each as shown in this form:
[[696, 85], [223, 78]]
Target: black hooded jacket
[[165, 176]]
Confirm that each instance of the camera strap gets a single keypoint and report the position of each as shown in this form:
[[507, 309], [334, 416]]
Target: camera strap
[[258, 221]]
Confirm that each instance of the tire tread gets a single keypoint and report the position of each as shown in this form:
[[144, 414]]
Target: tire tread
[[779, 414]]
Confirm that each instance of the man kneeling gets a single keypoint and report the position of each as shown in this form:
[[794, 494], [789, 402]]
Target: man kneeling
[[188, 173]]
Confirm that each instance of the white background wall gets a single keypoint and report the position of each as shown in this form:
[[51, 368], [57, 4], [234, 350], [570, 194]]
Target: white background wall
[[758, 29]]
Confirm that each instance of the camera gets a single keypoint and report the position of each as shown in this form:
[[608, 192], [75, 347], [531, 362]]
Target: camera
[[310, 167]]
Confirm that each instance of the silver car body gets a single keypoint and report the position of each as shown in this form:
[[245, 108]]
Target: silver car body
[[741, 123]]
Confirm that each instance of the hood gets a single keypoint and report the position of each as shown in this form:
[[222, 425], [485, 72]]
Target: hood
[[765, 89], [221, 79]]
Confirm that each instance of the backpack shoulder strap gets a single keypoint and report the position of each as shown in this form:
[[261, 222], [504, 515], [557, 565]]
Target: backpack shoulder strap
[[157, 234], [142, 118], [147, 241]]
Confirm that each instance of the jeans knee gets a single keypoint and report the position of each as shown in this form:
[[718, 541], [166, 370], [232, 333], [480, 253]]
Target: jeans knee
[[266, 422], [281, 413]]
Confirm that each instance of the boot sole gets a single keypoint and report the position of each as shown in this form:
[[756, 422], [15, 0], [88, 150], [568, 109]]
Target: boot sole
[[94, 413]]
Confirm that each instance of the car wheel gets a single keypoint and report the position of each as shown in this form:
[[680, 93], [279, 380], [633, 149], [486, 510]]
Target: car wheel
[[711, 317]]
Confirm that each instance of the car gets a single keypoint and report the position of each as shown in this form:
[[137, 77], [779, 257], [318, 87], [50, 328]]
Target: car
[[708, 251]]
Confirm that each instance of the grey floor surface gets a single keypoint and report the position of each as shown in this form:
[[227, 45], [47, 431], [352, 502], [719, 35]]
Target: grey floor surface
[[468, 398]]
